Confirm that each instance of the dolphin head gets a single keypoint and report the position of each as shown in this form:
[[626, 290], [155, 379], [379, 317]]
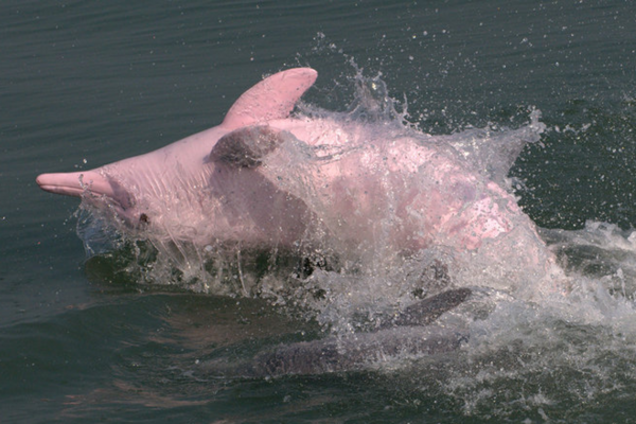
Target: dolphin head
[[191, 178]]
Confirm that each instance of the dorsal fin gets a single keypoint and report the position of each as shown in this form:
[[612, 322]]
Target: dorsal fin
[[428, 310], [272, 98]]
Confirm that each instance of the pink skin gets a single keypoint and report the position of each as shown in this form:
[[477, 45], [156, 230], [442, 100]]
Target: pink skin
[[179, 192], [455, 208]]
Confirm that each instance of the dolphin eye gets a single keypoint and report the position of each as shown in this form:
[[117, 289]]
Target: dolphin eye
[[143, 218]]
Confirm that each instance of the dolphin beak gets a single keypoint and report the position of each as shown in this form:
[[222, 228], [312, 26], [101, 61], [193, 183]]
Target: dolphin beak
[[76, 183]]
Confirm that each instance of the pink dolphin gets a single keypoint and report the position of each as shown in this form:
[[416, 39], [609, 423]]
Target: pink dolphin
[[266, 177]]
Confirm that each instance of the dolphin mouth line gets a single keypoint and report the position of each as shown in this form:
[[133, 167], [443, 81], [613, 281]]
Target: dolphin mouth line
[[61, 189], [87, 185], [78, 184]]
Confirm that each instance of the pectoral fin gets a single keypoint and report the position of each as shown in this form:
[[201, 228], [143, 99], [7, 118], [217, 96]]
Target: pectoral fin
[[247, 146]]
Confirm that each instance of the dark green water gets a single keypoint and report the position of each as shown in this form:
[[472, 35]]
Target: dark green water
[[87, 83]]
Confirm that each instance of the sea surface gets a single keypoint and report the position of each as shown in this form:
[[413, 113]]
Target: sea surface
[[83, 84]]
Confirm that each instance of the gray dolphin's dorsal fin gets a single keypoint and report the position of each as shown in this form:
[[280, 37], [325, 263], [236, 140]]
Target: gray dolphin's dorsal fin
[[428, 310], [272, 98], [247, 146]]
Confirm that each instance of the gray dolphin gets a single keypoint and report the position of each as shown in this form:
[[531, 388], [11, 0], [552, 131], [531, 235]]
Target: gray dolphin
[[408, 334]]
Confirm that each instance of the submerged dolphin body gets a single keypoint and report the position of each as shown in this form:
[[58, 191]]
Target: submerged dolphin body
[[266, 178], [408, 334]]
